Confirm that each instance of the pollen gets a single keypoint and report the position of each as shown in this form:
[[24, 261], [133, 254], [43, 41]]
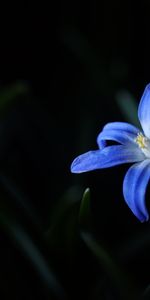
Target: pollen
[[141, 141]]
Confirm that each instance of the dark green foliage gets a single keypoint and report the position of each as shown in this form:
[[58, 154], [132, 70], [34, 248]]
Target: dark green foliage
[[56, 241]]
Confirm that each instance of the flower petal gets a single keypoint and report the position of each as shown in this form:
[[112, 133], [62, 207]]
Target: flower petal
[[134, 188], [121, 126], [121, 132], [108, 157], [118, 136], [144, 111]]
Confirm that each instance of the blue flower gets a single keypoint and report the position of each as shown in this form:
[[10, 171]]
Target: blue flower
[[134, 148]]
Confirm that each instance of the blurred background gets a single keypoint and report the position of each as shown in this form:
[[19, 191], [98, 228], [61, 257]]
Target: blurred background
[[74, 66]]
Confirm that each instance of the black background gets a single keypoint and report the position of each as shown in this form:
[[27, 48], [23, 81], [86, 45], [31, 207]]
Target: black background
[[74, 57]]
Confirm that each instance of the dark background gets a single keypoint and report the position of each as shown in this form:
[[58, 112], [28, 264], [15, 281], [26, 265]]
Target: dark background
[[67, 61]]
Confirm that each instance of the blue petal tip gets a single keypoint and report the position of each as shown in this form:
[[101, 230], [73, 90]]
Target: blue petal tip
[[75, 166]]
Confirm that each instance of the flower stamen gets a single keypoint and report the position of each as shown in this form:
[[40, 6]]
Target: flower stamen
[[141, 141]]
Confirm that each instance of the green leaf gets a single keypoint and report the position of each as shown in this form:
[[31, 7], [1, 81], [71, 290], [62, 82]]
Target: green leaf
[[119, 280], [146, 294], [63, 228], [26, 242], [84, 212], [9, 93], [68, 200], [128, 107]]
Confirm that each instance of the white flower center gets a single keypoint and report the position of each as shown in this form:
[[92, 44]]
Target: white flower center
[[144, 144]]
